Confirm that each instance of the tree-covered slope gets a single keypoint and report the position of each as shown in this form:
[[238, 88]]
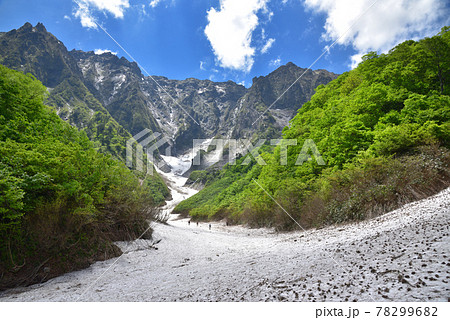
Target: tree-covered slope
[[72, 95], [34, 50], [62, 203], [383, 130]]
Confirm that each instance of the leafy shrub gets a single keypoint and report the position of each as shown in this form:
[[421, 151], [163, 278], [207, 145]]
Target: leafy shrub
[[62, 203], [377, 127], [378, 186]]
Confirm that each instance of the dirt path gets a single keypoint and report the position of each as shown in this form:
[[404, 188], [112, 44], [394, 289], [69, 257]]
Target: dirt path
[[401, 256]]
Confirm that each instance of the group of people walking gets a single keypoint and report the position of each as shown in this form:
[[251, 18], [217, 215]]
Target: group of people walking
[[189, 223]]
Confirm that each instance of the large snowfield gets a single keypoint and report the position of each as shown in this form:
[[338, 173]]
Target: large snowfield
[[400, 256]]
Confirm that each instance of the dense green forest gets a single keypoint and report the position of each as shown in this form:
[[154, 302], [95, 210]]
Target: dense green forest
[[383, 130], [62, 202], [36, 51]]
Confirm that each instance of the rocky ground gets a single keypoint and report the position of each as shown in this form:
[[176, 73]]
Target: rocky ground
[[401, 256]]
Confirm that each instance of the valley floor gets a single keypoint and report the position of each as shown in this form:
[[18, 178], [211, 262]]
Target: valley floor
[[401, 256]]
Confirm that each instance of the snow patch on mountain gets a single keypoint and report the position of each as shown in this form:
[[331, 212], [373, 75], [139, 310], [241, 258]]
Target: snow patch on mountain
[[178, 165]]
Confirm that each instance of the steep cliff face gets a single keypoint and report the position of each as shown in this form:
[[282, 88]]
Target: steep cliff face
[[192, 109], [105, 92], [181, 109], [274, 99], [115, 83], [34, 50]]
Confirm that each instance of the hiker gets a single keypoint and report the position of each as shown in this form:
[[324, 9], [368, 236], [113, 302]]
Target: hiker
[[210, 226], [197, 223], [189, 222]]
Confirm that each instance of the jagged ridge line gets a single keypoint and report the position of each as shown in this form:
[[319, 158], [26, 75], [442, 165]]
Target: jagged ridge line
[[140, 66], [312, 64]]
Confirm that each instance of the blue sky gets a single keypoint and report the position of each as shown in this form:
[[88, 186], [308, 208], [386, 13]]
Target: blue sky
[[231, 39]]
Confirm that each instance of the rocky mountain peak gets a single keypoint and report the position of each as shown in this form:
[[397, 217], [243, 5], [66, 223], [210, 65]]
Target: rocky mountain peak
[[40, 27], [28, 27], [34, 50], [270, 92], [180, 109], [290, 64], [106, 58], [25, 28]]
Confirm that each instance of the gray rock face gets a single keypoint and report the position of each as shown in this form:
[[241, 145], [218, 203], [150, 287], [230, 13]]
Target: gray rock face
[[116, 84], [34, 50], [274, 99], [181, 109]]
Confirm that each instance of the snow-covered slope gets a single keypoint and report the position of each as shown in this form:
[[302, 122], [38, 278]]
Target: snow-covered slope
[[401, 256], [175, 182]]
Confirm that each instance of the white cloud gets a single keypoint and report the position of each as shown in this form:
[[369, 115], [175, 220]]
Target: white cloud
[[154, 3], [143, 11], [67, 17], [384, 25], [263, 33], [85, 8], [115, 7], [201, 65], [83, 13], [230, 29], [356, 59], [268, 45], [102, 51], [275, 62]]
